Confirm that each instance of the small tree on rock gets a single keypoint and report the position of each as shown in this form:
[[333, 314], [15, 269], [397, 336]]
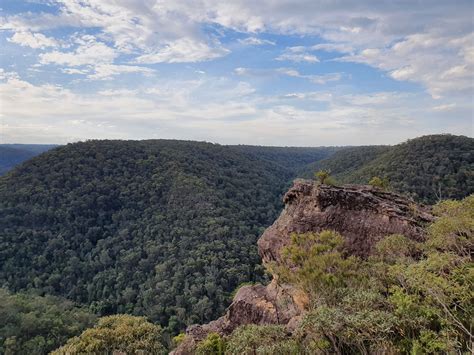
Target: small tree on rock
[[323, 176], [383, 184]]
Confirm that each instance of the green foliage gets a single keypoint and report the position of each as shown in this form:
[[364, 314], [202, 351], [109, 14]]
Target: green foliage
[[117, 334], [166, 229], [409, 297], [429, 168], [266, 339], [433, 296], [358, 322], [324, 178], [36, 325], [294, 158], [395, 248], [314, 262], [212, 345], [454, 227], [383, 184], [345, 161], [178, 339]]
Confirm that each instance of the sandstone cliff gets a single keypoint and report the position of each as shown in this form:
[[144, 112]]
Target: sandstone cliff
[[361, 214]]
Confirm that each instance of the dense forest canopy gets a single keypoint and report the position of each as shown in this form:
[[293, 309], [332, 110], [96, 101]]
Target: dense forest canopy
[[166, 229], [294, 158], [428, 169]]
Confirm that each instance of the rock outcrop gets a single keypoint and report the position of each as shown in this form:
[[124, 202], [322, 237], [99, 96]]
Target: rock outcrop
[[361, 214]]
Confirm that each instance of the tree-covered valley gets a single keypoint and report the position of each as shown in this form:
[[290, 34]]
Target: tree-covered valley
[[165, 229], [168, 229]]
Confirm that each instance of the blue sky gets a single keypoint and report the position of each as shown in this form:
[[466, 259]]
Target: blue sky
[[272, 72]]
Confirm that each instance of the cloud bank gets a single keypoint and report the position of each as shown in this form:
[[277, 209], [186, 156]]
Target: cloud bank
[[268, 72]]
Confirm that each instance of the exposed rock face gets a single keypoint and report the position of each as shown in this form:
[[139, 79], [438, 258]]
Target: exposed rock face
[[361, 214], [257, 304]]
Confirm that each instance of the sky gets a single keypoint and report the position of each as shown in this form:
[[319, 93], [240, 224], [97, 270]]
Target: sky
[[267, 72]]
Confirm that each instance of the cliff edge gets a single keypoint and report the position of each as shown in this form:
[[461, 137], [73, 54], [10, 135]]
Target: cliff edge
[[361, 214]]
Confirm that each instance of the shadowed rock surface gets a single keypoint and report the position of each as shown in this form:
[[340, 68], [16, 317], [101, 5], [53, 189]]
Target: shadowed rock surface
[[361, 214]]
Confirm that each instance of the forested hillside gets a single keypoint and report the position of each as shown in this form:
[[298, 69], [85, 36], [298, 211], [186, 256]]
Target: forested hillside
[[14, 154], [345, 161], [428, 168], [165, 229], [293, 158]]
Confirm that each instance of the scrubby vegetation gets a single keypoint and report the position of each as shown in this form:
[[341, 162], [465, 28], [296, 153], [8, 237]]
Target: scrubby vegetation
[[166, 229], [33, 325], [118, 334], [409, 297]]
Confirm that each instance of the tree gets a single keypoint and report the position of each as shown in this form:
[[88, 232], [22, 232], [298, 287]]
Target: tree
[[315, 263], [454, 229], [213, 344], [37, 325], [264, 339], [117, 334], [323, 177], [383, 184]]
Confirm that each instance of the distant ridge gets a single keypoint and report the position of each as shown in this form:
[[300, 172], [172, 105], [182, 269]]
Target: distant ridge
[[427, 168], [14, 154]]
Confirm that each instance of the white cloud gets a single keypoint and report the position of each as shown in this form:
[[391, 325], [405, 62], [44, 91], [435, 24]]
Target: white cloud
[[310, 96], [333, 47], [183, 50], [292, 72], [405, 73], [297, 54], [316, 79], [119, 92], [89, 53], [441, 64], [289, 72], [445, 107], [74, 71], [33, 40], [254, 41], [215, 109], [324, 79], [108, 71]]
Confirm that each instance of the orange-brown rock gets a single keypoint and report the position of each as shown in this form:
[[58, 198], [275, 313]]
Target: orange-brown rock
[[362, 214]]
